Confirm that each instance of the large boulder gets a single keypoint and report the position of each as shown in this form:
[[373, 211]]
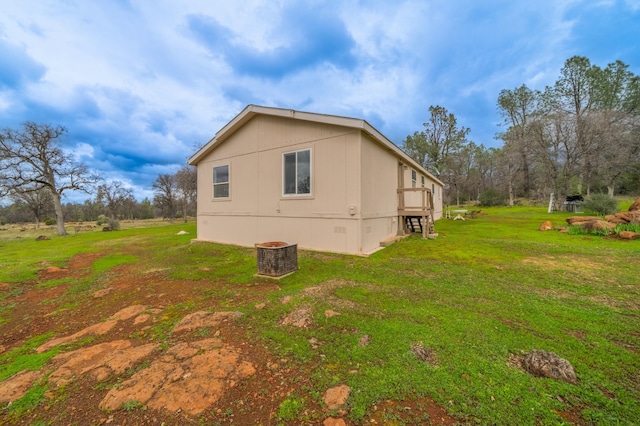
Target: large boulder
[[548, 364], [598, 225], [635, 206], [622, 217], [628, 235], [616, 218], [577, 220]]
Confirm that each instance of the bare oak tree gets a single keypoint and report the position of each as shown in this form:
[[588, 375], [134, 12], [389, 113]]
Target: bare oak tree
[[186, 180], [38, 202], [519, 108], [165, 197], [31, 160], [114, 197]]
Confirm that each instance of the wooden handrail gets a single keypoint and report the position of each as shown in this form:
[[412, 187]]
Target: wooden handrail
[[426, 209]]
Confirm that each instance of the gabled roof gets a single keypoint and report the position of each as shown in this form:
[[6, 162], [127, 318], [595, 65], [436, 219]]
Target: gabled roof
[[252, 111]]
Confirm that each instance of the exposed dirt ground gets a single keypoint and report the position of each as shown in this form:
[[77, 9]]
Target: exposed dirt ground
[[206, 370]]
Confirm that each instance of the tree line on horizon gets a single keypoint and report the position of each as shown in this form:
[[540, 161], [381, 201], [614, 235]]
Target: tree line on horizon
[[578, 137], [35, 173], [173, 199]]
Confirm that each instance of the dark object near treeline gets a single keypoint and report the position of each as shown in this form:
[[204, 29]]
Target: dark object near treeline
[[574, 198]]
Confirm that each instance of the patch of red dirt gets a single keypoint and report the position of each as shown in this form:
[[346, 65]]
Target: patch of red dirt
[[236, 379], [417, 411], [573, 417]]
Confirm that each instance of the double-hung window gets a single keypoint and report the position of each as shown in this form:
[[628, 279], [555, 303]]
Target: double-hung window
[[296, 172], [221, 181], [414, 178]]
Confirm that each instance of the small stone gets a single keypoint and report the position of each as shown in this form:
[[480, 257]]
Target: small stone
[[337, 396], [546, 226], [260, 306], [141, 318], [299, 317], [333, 422], [425, 354], [285, 300], [329, 313], [364, 340], [101, 293]]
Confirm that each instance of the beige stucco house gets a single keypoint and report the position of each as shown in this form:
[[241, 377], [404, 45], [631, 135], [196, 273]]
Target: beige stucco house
[[325, 182]]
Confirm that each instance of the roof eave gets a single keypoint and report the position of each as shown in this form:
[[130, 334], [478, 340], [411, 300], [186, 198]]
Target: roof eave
[[251, 111], [368, 128]]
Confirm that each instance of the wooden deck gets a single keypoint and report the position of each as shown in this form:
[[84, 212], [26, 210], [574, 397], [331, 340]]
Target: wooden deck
[[416, 216]]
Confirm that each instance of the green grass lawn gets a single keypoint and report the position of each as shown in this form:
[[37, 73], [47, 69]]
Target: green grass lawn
[[485, 291]]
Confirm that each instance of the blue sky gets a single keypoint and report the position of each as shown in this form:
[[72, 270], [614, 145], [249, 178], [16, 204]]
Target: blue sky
[[140, 85]]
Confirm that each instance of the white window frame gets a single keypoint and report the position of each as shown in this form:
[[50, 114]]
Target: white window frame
[[284, 184], [414, 178], [228, 182]]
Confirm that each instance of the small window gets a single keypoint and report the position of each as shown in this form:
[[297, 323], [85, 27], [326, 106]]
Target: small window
[[296, 173], [414, 178], [221, 181], [422, 181]]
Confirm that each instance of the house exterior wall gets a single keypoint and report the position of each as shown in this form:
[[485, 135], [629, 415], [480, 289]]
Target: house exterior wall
[[379, 179], [353, 204], [257, 211]]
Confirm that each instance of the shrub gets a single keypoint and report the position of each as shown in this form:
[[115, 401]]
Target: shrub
[[102, 220], [49, 221], [492, 198], [580, 230], [633, 227], [290, 408], [113, 224], [601, 204]]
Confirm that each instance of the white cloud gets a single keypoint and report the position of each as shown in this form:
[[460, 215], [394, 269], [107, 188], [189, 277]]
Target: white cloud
[[82, 151]]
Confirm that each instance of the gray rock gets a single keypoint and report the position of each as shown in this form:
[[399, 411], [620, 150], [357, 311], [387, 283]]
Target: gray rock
[[548, 364]]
